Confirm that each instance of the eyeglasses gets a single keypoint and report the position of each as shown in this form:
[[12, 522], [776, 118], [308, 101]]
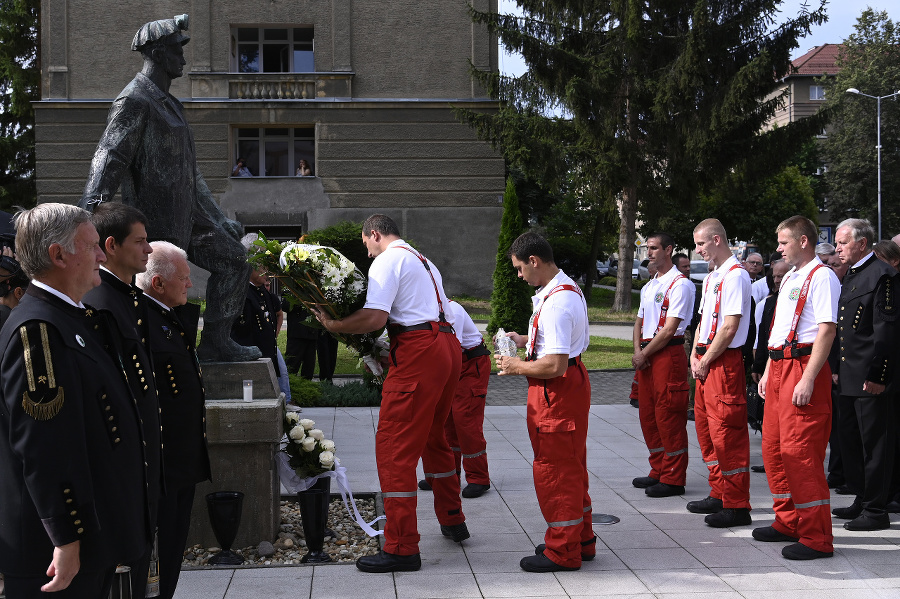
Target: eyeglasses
[[755, 263]]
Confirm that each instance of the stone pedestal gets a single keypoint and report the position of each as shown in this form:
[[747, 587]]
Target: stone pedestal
[[243, 438]]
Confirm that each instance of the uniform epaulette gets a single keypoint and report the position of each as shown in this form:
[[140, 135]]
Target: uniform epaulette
[[44, 399]]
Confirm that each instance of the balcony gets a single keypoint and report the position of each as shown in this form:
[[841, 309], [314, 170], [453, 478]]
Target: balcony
[[271, 86]]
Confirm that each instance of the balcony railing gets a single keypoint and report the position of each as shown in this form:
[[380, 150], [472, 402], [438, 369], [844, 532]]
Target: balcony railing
[[271, 86]]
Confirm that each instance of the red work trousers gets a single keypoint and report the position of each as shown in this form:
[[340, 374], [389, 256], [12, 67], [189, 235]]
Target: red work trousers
[[662, 407], [720, 413], [635, 394], [465, 426], [793, 448], [558, 412], [415, 402]]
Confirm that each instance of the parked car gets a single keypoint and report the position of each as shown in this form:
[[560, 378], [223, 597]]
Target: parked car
[[699, 270], [602, 268], [643, 271], [635, 269]]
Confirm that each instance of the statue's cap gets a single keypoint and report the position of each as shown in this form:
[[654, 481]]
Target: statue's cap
[[157, 30]]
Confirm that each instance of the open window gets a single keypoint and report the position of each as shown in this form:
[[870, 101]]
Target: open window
[[276, 151]]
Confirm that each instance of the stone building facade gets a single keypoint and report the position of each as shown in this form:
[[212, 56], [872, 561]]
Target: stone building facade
[[362, 91]]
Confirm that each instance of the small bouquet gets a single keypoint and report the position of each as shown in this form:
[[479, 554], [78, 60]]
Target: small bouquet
[[320, 277], [309, 452]]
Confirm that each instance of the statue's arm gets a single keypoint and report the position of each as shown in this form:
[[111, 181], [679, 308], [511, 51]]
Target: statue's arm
[[115, 152], [206, 203]]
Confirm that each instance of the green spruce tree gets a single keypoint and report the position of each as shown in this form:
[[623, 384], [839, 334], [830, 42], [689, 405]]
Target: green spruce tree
[[19, 86], [660, 99], [511, 297]]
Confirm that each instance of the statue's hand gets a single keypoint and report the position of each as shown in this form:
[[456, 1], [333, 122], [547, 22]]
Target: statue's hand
[[235, 228]]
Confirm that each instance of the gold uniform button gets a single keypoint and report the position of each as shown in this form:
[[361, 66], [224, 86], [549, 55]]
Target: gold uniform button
[[77, 522], [73, 512], [115, 428], [134, 357], [117, 440], [80, 531], [140, 321]]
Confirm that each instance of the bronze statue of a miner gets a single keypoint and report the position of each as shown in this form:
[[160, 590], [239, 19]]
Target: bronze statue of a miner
[[147, 152]]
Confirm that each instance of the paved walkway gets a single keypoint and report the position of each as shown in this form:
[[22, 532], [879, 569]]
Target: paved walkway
[[658, 550]]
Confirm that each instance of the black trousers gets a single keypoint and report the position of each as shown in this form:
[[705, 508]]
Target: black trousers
[[300, 354], [172, 531], [868, 447], [835, 461], [85, 585], [327, 352]]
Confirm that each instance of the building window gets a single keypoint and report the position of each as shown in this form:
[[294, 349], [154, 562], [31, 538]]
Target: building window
[[816, 92], [275, 151], [272, 50]]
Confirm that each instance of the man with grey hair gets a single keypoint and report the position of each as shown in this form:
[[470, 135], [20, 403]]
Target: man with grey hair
[[72, 457], [182, 403], [147, 152], [867, 330]]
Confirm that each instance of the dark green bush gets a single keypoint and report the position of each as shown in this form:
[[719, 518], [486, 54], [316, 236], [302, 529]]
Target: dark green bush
[[511, 297], [349, 395], [304, 392], [345, 237]]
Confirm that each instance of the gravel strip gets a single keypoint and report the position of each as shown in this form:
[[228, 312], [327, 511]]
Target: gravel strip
[[349, 544]]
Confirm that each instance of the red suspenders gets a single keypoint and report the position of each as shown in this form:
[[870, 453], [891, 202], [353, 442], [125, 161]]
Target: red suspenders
[[715, 314], [441, 316], [665, 305], [534, 325], [801, 302]]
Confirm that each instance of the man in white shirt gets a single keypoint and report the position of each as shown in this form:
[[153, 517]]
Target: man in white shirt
[[720, 396], [797, 388], [406, 292], [559, 402], [667, 302]]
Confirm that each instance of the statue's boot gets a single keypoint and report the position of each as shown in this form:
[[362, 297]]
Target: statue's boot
[[216, 345]]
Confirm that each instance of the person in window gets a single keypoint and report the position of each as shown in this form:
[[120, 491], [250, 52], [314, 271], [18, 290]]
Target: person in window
[[240, 169], [303, 169]]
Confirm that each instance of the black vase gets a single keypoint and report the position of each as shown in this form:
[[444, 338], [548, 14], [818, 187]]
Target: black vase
[[225, 517], [324, 484], [313, 507]]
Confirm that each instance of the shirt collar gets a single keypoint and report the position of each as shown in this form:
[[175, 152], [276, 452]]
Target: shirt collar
[[58, 294], [863, 261], [162, 305], [726, 266]]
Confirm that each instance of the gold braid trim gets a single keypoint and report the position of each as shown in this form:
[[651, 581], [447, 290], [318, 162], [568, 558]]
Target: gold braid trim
[[35, 409]]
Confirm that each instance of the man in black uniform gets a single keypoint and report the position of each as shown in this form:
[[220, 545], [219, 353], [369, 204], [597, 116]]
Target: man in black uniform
[[867, 332], [255, 325], [123, 237], [181, 399], [74, 491]]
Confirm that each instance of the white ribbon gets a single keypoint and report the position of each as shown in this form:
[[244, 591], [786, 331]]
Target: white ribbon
[[296, 484]]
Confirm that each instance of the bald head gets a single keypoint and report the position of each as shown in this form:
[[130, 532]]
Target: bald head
[[711, 242]]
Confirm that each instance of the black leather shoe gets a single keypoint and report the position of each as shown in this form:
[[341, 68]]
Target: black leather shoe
[[634, 403], [848, 513], [457, 532], [728, 517], [799, 551], [761, 469], [710, 505], [642, 482], [473, 490], [389, 562], [585, 557], [869, 523], [691, 415], [664, 490], [843, 490], [893, 507], [767, 534], [835, 482], [542, 563], [425, 485]]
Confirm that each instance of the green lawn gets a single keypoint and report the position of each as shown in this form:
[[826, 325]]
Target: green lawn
[[599, 307], [602, 353]]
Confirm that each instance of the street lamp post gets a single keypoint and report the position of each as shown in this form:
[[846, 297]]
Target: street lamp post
[[878, 100]]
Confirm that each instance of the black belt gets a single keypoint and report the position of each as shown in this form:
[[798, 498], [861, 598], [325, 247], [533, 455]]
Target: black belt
[[790, 352], [574, 361], [701, 349], [672, 341], [475, 352], [396, 329]]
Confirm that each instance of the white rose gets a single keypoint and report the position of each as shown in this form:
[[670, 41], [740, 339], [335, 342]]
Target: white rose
[[326, 458], [297, 434], [308, 444], [317, 434], [307, 423], [292, 417], [328, 445]]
